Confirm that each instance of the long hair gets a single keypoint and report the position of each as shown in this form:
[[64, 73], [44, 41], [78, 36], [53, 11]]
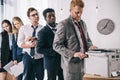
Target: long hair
[[9, 24], [15, 30]]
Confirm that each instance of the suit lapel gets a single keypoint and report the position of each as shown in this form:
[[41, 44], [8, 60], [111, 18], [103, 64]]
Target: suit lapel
[[50, 31], [73, 28]]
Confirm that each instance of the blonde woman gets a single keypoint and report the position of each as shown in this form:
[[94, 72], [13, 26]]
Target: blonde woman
[[16, 51]]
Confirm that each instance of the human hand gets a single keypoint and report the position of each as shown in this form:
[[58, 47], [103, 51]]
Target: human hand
[[80, 55], [15, 62], [93, 47], [30, 38], [31, 41]]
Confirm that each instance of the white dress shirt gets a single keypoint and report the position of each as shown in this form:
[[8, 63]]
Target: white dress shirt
[[25, 32], [78, 34]]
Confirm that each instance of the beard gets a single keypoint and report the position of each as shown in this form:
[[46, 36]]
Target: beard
[[52, 24]]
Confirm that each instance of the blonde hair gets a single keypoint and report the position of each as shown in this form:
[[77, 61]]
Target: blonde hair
[[74, 3], [15, 30]]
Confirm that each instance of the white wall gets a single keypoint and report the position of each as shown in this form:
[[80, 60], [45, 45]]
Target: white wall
[[106, 9], [1, 16], [19, 8], [61, 8]]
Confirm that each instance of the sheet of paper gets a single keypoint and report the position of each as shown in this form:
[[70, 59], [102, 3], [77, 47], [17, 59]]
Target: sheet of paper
[[7, 67], [17, 69]]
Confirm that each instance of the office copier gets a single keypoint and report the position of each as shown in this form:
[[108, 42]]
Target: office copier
[[103, 62]]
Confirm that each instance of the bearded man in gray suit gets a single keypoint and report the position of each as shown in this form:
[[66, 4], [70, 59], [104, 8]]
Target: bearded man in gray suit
[[70, 44]]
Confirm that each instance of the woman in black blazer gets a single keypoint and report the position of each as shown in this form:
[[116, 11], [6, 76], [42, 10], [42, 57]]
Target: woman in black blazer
[[6, 43]]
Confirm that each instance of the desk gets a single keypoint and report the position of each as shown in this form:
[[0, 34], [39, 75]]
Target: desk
[[94, 77]]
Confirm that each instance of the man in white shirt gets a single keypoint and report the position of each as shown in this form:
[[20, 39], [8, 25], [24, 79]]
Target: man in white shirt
[[33, 62]]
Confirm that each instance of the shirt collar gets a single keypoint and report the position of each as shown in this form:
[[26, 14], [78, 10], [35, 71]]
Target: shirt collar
[[32, 25], [74, 20], [51, 27]]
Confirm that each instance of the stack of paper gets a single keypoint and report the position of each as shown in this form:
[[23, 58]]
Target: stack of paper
[[15, 70]]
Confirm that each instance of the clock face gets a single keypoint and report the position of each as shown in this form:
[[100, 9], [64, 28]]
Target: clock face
[[105, 26]]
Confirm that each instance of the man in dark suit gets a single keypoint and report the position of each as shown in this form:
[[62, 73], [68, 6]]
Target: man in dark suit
[[52, 59], [72, 41]]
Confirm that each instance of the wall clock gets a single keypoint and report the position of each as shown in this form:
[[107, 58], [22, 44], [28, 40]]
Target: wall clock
[[105, 26]]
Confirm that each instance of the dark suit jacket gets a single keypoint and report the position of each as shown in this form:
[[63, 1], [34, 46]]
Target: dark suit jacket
[[44, 46], [6, 54], [16, 51]]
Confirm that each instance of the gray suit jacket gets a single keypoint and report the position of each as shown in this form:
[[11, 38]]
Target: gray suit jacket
[[66, 43]]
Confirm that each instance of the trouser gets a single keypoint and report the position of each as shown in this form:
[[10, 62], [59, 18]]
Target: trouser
[[60, 74], [52, 74], [19, 58], [33, 68]]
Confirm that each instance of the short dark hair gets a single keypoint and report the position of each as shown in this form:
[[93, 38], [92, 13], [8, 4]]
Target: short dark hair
[[30, 10], [46, 11]]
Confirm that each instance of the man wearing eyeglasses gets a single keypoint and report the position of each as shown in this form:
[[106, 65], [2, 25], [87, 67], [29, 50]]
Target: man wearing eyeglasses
[[33, 62]]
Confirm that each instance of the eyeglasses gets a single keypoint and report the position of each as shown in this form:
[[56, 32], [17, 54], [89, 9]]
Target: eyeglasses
[[36, 14]]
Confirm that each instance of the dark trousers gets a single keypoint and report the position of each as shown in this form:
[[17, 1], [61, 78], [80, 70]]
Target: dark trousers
[[20, 77], [33, 68], [52, 74], [19, 59], [60, 74]]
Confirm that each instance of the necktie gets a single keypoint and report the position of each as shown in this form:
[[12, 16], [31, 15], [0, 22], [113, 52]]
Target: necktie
[[32, 50], [82, 36]]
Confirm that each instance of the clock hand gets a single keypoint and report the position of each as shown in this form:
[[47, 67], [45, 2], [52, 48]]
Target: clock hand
[[105, 25]]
